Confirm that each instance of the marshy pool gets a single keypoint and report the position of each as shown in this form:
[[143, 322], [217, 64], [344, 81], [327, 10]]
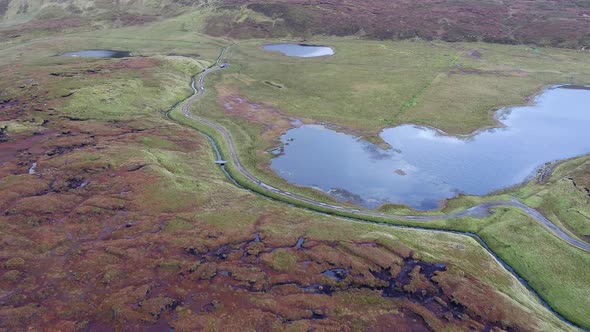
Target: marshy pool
[[300, 50], [97, 54], [424, 166]]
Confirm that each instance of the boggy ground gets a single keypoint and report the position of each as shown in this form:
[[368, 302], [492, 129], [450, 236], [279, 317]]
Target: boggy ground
[[310, 284], [326, 89], [122, 268], [84, 249], [111, 217]]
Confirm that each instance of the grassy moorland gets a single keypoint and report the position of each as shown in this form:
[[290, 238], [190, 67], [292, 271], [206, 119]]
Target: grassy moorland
[[453, 87], [550, 265], [369, 85], [540, 270], [126, 223], [494, 87]]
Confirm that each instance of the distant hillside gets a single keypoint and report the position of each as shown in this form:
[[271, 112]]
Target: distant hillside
[[128, 11], [33, 18], [562, 23], [559, 23]]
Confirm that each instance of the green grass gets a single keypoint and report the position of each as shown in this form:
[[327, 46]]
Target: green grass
[[16, 127], [410, 103], [556, 270], [561, 199], [343, 89], [366, 84], [282, 260]]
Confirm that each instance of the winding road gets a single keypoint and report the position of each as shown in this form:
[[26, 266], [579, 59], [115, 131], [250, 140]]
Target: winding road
[[479, 211]]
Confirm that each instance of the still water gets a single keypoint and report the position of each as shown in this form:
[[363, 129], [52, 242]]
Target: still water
[[424, 166], [300, 50], [97, 54]]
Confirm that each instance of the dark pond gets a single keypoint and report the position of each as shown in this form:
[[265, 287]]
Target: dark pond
[[424, 166], [300, 50], [336, 274], [97, 54]]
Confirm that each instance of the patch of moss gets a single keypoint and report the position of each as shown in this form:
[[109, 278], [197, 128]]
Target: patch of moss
[[14, 263], [282, 260], [12, 275]]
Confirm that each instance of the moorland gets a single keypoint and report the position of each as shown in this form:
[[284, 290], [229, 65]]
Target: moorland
[[114, 216]]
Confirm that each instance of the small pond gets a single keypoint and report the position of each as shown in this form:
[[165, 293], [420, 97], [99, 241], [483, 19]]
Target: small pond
[[97, 54], [423, 166], [300, 50]]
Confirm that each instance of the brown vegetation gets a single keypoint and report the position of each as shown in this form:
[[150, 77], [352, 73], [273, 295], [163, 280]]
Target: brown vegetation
[[549, 22], [274, 122], [48, 25], [92, 239]]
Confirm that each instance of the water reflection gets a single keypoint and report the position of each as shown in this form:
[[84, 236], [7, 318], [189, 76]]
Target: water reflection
[[424, 166], [300, 50], [97, 54]]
